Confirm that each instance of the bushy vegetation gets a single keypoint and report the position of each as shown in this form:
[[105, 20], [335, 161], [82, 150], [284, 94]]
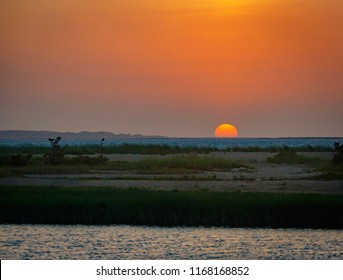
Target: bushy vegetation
[[84, 164], [74, 159], [23, 149], [177, 163], [289, 156], [68, 205], [330, 170], [56, 154], [148, 149], [338, 154]]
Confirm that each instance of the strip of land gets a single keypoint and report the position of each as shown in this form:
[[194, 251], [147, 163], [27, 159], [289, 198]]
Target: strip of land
[[258, 175], [232, 189]]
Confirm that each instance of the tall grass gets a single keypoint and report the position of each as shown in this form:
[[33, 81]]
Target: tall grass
[[330, 171], [150, 149], [6, 150], [290, 157], [84, 164], [182, 162], [52, 205]]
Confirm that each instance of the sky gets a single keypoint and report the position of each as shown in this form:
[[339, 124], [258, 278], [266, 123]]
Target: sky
[[272, 68]]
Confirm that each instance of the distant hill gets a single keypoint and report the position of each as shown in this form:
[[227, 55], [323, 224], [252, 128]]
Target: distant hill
[[29, 134]]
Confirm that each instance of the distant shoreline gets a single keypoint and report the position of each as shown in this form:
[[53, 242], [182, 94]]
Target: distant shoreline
[[31, 134], [88, 135]]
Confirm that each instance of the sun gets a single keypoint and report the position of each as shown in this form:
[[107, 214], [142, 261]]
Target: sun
[[226, 131]]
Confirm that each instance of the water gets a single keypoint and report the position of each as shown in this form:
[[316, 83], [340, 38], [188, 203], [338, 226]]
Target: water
[[186, 142], [131, 242]]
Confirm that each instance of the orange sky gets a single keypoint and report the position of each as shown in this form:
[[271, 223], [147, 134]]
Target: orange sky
[[173, 67]]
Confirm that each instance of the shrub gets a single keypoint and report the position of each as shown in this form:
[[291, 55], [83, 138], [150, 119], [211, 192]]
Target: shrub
[[338, 153], [55, 155], [288, 156]]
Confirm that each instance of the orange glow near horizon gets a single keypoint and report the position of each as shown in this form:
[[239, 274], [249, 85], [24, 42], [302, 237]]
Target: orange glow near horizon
[[226, 131], [266, 62]]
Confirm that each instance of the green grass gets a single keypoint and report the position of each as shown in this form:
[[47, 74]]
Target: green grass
[[177, 163], [37, 166], [84, 164], [329, 170], [149, 149], [87, 205], [326, 166], [290, 157]]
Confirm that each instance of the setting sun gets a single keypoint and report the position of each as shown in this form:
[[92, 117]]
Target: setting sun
[[226, 131]]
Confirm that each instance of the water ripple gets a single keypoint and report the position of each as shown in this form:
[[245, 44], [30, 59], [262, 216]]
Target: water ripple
[[130, 242]]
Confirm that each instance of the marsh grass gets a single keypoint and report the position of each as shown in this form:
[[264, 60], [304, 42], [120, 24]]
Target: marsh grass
[[290, 157], [91, 149], [37, 166], [6, 150], [87, 205], [149, 149], [84, 164], [181, 162], [329, 170]]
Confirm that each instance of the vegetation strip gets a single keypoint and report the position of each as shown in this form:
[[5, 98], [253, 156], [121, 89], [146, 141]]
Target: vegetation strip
[[149, 149], [84, 164], [330, 170], [90, 205]]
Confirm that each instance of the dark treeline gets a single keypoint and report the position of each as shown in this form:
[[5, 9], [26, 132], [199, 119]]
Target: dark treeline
[[51, 205]]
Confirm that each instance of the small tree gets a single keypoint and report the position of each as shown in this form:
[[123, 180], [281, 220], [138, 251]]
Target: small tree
[[101, 157], [338, 153], [55, 155], [102, 148]]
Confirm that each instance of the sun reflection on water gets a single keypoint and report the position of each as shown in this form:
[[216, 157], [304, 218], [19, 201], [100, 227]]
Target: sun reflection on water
[[128, 242]]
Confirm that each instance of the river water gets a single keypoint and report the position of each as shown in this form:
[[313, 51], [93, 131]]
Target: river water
[[132, 242]]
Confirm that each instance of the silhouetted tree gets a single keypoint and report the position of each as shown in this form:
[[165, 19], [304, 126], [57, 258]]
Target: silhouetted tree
[[338, 153], [102, 148], [101, 157], [55, 155]]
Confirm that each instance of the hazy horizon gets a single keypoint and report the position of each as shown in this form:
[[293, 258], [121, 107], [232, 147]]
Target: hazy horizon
[[119, 134], [173, 68]]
